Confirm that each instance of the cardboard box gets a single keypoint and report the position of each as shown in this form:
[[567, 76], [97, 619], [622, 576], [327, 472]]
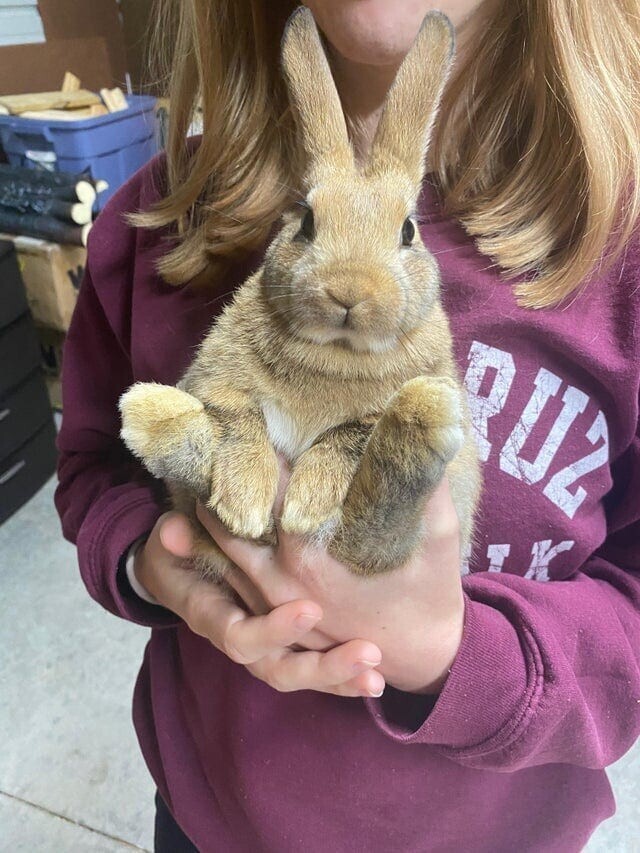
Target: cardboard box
[[77, 19], [84, 38], [51, 346], [28, 68], [52, 274], [137, 24]]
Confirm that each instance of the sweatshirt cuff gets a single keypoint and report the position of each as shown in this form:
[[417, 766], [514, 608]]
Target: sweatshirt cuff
[[113, 524], [130, 572], [489, 693]]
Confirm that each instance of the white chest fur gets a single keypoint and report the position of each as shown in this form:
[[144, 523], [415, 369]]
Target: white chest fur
[[285, 435]]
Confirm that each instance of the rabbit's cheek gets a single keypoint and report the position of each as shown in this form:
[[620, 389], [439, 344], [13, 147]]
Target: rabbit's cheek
[[421, 271], [286, 304], [315, 309]]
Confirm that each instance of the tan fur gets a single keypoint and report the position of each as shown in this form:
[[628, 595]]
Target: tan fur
[[410, 108], [337, 352], [313, 94]]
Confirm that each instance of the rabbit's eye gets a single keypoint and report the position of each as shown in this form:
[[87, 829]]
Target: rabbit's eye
[[408, 232], [307, 226]]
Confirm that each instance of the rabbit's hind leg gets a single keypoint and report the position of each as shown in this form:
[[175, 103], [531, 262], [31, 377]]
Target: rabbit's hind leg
[[207, 558], [419, 433], [321, 478]]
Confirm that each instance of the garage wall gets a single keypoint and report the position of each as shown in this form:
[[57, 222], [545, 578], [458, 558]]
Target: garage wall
[[20, 22]]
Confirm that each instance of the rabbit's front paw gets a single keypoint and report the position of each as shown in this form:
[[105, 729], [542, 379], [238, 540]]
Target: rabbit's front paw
[[243, 492], [431, 406], [153, 420]]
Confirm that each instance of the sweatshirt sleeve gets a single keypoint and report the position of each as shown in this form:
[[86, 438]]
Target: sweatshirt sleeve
[[547, 672], [105, 499]]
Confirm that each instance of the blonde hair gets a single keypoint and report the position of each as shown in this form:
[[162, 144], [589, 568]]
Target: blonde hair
[[537, 147]]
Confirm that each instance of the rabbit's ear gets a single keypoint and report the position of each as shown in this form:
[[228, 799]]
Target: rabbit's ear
[[409, 111], [313, 94]]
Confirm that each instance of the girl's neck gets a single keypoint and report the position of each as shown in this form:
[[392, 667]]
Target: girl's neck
[[363, 88]]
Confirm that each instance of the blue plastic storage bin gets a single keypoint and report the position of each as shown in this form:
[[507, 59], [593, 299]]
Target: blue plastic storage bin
[[112, 146]]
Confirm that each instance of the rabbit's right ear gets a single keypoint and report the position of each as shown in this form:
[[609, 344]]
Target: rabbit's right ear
[[409, 111], [314, 96]]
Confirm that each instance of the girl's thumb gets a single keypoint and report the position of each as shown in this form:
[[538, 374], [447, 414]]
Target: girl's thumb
[[176, 535]]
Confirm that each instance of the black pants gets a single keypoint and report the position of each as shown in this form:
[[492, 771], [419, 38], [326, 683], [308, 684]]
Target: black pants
[[168, 837]]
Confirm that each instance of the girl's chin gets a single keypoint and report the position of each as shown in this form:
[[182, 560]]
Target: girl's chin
[[370, 32]]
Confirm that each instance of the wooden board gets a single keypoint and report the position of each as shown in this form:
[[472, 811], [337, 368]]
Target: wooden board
[[114, 99], [68, 115], [17, 104], [71, 83]]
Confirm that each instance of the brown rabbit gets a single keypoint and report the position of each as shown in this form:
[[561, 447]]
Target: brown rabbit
[[337, 352]]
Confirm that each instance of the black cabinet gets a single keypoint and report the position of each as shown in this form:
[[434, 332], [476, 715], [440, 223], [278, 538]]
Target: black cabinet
[[13, 300], [24, 408], [27, 433], [19, 351]]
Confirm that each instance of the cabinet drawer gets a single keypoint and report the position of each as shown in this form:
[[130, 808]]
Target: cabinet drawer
[[23, 410], [25, 470], [19, 352], [13, 300]]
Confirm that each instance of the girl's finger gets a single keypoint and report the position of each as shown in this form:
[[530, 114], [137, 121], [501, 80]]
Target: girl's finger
[[289, 670], [315, 641], [248, 592], [367, 686], [176, 534], [248, 639], [441, 519], [205, 607]]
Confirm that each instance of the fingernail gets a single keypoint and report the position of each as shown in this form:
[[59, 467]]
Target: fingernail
[[305, 621], [363, 665], [366, 694]]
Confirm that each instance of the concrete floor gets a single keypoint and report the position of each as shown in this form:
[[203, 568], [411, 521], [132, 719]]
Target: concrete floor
[[71, 776]]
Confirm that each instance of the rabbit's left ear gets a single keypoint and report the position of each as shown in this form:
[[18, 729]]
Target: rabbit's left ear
[[409, 111], [313, 94]]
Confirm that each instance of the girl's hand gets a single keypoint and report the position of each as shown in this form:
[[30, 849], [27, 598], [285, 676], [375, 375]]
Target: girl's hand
[[261, 643], [414, 614]]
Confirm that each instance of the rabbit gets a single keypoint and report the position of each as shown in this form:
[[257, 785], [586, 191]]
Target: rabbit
[[336, 353]]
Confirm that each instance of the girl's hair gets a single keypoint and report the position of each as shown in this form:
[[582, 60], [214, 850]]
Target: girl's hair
[[537, 149]]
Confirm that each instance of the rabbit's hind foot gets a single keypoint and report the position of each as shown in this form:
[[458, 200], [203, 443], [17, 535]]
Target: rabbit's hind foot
[[430, 407], [419, 433]]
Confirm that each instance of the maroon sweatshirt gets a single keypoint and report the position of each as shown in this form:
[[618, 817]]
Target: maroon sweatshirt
[[545, 690]]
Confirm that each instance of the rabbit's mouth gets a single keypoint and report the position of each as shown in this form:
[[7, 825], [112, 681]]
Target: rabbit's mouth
[[362, 325], [346, 338]]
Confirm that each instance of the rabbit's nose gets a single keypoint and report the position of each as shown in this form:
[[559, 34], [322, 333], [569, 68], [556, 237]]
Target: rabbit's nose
[[345, 300]]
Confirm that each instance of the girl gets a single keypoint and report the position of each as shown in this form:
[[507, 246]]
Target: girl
[[493, 696]]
